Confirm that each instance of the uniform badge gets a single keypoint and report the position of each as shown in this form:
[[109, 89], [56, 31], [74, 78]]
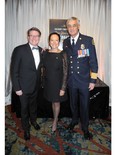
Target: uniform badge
[[82, 46]]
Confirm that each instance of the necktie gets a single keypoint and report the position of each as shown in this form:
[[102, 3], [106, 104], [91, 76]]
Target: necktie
[[34, 48], [73, 43]]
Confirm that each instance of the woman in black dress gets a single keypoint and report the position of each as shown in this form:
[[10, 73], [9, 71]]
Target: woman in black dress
[[55, 64]]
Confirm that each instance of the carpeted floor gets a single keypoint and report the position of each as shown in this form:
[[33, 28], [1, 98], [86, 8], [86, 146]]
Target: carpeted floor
[[42, 142]]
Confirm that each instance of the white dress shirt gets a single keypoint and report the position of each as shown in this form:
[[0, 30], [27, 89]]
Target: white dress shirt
[[75, 39], [36, 55]]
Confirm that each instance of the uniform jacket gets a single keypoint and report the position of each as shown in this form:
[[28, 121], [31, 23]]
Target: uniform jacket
[[82, 60], [24, 74]]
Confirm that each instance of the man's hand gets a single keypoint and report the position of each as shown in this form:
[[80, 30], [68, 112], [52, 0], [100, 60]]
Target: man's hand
[[19, 92], [91, 86]]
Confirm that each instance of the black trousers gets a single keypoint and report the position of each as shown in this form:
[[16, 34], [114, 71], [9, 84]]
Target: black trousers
[[28, 109], [79, 102]]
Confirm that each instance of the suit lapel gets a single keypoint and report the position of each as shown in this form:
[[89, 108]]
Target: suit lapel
[[69, 43], [30, 56], [40, 52], [79, 41]]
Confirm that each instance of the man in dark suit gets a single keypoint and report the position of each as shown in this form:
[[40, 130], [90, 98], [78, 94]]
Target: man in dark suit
[[83, 68], [25, 76]]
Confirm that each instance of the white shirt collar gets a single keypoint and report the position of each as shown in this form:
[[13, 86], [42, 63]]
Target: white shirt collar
[[75, 39], [32, 46]]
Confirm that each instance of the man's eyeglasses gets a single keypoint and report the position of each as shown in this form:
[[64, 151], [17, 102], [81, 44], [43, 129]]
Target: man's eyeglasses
[[32, 36]]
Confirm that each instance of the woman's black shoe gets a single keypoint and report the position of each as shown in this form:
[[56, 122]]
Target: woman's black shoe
[[36, 126]]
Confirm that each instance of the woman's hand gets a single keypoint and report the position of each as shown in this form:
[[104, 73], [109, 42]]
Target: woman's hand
[[62, 92]]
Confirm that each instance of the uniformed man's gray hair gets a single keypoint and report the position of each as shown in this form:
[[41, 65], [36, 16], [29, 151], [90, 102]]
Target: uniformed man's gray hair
[[73, 18]]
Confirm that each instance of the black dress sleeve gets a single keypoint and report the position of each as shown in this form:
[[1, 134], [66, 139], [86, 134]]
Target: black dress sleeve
[[65, 70], [43, 67]]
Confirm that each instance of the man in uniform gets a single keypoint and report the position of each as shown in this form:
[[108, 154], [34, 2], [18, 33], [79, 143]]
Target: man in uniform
[[83, 68]]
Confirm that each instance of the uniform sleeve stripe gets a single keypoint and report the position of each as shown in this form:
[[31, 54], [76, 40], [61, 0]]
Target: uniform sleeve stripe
[[93, 75]]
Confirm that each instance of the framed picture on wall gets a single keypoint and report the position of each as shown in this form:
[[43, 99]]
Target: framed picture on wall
[[59, 26]]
